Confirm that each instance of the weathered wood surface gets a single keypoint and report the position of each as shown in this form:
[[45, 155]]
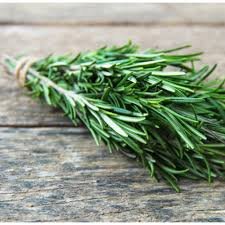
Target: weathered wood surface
[[50, 171], [57, 174], [112, 14]]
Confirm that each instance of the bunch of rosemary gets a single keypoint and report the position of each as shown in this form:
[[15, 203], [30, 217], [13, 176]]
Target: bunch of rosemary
[[154, 106]]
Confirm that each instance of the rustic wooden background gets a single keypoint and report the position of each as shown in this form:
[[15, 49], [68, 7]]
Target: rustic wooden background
[[51, 171]]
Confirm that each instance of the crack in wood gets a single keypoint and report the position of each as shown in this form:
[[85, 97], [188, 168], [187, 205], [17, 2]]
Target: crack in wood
[[113, 24]]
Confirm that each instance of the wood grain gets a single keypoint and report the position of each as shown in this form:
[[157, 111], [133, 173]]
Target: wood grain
[[17, 109], [56, 174], [112, 14]]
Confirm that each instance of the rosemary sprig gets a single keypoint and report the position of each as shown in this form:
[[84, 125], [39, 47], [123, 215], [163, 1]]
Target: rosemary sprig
[[153, 106]]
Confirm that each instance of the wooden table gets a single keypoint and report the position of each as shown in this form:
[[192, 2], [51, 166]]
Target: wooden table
[[52, 171]]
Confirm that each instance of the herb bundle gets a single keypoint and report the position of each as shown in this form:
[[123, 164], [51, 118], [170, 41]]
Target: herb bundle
[[154, 106]]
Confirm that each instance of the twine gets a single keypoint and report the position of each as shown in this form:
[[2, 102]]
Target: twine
[[22, 68]]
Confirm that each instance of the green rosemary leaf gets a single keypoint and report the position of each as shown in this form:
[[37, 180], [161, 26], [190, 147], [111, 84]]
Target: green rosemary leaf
[[91, 106], [130, 129], [165, 73], [113, 125], [127, 112], [98, 128], [130, 119], [221, 146], [173, 171], [138, 138], [169, 178], [173, 49], [207, 74], [96, 137], [180, 115], [97, 117], [46, 94], [142, 64]]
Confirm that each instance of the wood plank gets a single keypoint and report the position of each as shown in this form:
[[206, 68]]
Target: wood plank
[[43, 40], [55, 174], [110, 13], [19, 110]]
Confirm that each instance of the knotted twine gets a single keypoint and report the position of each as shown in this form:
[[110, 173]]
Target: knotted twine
[[22, 68]]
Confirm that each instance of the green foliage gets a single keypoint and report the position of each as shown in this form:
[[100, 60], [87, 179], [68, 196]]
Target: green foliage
[[153, 106]]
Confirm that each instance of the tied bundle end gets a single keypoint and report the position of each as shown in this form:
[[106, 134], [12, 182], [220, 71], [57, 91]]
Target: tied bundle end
[[22, 67]]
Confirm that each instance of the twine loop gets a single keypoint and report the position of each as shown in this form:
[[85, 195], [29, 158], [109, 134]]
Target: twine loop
[[22, 68]]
